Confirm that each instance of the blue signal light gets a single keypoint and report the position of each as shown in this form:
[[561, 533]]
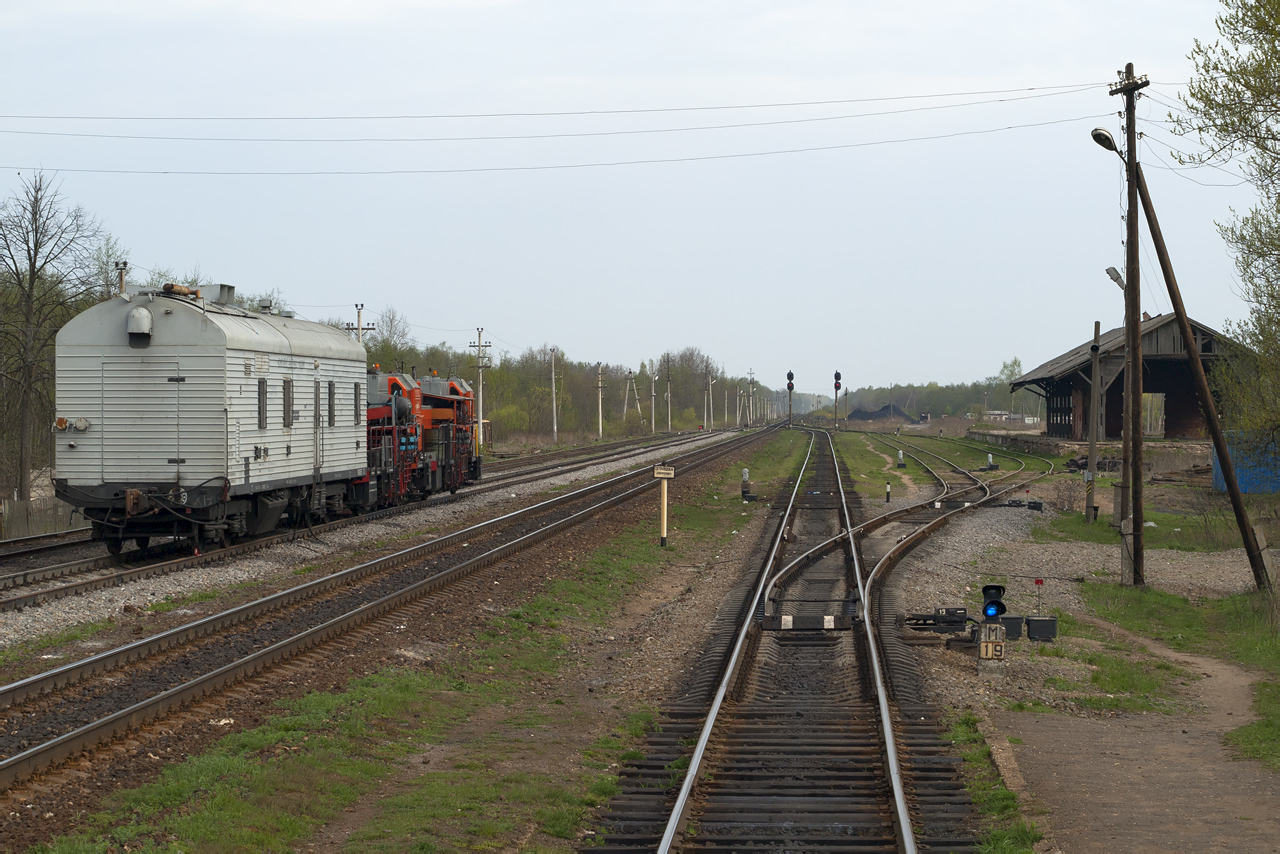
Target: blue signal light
[[991, 610]]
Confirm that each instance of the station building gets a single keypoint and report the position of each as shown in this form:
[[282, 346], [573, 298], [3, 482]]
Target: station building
[[1064, 381]]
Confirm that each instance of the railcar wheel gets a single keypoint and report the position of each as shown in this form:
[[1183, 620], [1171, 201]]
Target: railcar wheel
[[114, 545], [142, 542]]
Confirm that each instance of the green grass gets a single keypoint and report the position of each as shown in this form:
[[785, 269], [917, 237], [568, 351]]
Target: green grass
[[1004, 828], [867, 468], [1172, 531], [74, 634], [1238, 628], [270, 788]]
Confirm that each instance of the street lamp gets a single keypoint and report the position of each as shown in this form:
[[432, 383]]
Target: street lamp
[[1131, 509]]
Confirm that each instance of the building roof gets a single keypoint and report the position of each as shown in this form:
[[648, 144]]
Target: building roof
[[1108, 343]]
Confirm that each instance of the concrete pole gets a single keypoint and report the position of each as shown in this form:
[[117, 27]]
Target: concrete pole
[[711, 396], [1095, 404], [668, 392], [555, 428], [653, 403], [360, 322], [599, 401]]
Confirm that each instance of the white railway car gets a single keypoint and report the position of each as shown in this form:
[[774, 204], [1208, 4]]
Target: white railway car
[[178, 416]]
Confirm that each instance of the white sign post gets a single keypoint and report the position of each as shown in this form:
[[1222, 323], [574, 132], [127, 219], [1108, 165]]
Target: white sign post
[[663, 474]]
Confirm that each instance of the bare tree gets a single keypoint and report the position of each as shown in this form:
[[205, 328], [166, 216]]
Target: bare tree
[[46, 275]]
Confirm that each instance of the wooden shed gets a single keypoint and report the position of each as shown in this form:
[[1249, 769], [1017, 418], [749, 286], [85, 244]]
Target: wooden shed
[[1064, 381]]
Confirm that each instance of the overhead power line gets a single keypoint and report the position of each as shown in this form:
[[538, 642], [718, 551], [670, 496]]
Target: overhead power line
[[403, 117], [556, 166], [634, 132]]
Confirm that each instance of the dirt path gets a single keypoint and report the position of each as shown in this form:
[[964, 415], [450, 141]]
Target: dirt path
[[890, 464], [1151, 782]]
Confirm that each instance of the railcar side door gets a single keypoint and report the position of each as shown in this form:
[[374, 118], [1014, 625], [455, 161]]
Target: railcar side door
[[141, 422]]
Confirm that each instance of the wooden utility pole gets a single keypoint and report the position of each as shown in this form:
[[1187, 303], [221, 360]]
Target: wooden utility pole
[[1095, 405], [1247, 534], [1131, 569]]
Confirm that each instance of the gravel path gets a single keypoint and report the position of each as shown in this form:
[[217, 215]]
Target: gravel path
[[279, 562]]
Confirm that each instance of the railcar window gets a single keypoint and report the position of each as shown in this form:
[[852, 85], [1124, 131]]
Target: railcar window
[[357, 403], [262, 404], [333, 400], [288, 403]]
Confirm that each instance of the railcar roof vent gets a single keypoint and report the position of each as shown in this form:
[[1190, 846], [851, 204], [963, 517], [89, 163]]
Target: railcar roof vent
[[226, 295], [138, 324], [265, 305]]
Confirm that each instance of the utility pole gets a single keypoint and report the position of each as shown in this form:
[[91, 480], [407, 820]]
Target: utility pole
[[653, 403], [1095, 404], [726, 405], [360, 329], [711, 396], [1131, 566], [121, 266], [599, 400], [631, 377], [668, 392], [555, 429], [1247, 532], [751, 397], [480, 346]]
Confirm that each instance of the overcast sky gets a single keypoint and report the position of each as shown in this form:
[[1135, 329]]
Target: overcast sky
[[890, 260]]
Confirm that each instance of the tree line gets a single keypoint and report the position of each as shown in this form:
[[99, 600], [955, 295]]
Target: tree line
[[517, 386]]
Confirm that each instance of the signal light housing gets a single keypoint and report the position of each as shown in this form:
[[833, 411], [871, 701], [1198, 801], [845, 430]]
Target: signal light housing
[[837, 385], [992, 603], [791, 386], [790, 376]]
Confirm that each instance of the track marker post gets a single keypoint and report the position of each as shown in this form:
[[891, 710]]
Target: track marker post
[[664, 474]]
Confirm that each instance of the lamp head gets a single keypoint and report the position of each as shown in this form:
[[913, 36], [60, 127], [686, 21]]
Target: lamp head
[[1103, 137]]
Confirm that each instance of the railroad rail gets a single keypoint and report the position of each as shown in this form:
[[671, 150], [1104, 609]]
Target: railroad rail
[[280, 626], [150, 567], [798, 739]]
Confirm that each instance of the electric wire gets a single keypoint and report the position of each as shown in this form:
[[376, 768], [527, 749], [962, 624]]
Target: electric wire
[[553, 113], [559, 166], [532, 136]]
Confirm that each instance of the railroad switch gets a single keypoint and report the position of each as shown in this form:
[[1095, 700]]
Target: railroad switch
[[806, 622]]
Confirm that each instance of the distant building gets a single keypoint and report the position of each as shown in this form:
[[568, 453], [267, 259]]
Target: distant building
[[1064, 381]]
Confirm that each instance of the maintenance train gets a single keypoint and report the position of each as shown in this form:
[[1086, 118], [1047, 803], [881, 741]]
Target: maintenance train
[[183, 417]]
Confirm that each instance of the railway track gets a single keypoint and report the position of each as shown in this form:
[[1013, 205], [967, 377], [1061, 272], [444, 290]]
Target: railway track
[[803, 728], [56, 715], [140, 564]]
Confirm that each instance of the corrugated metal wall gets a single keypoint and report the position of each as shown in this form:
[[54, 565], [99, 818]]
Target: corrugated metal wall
[[1256, 474]]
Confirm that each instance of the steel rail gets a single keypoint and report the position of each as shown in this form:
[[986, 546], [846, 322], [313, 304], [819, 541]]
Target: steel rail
[[704, 737], [824, 548], [111, 659], [151, 570], [28, 762]]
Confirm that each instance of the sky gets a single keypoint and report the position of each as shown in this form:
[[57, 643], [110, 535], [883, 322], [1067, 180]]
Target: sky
[[915, 238]]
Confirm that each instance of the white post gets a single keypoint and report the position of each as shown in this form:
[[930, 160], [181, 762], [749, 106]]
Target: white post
[[600, 400], [711, 395], [653, 403], [663, 532], [555, 429]]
